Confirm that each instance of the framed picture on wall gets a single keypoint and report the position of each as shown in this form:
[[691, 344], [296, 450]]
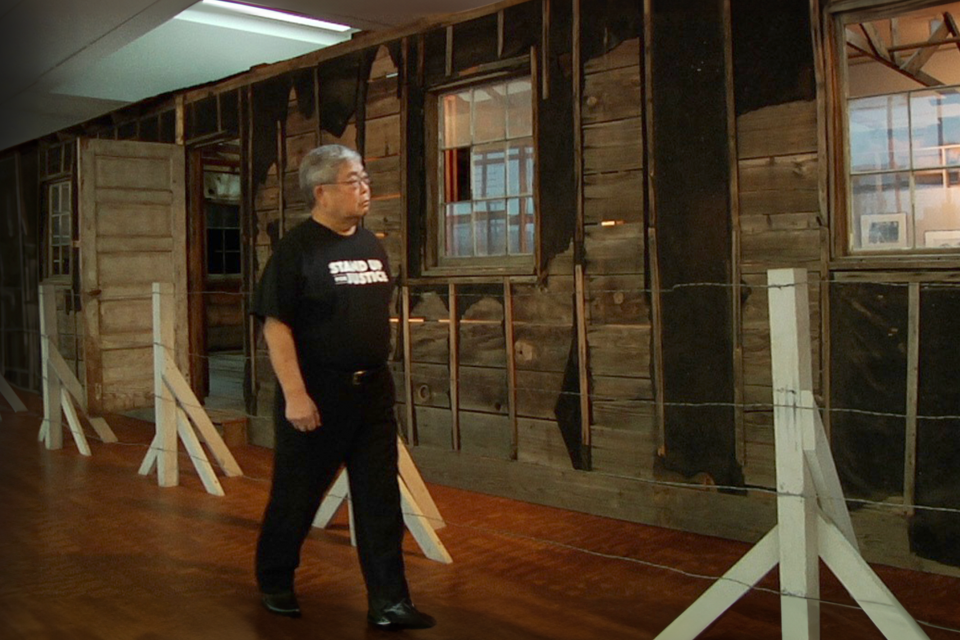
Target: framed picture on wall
[[942, 239], [884, 231]]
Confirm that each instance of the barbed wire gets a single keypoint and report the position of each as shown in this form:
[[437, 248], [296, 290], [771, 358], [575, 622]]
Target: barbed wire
[[535, 290], [499, 532], [693, 486]]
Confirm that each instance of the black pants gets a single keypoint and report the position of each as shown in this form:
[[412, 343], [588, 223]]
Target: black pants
[[358, 429]]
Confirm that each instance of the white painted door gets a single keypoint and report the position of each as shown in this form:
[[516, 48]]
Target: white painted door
[[132, 233]]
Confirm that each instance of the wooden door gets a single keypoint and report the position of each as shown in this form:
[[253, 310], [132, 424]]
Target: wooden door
[[132, 233]]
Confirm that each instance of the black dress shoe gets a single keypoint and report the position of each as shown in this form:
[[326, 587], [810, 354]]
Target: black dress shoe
[[283, 603], [402, 615]]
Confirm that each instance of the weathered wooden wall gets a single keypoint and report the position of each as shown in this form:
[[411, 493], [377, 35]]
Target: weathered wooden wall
[[547, 385], [779, 221], [19, 269], [623, 429]]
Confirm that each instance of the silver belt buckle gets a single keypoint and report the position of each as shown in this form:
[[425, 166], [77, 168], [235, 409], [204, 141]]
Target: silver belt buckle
[[357, 377]]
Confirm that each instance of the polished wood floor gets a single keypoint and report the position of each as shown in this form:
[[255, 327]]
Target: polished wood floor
[[91, 550]]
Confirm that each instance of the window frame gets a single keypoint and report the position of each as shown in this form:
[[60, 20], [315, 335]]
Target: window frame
[[49, 260], [840, 178], [435, 262]]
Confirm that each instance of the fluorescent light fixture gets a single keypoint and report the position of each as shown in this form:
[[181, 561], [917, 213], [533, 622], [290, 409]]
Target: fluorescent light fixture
[[281, 16]]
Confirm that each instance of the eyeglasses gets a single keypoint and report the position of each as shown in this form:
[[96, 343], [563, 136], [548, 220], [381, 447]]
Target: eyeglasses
[[353, 182]]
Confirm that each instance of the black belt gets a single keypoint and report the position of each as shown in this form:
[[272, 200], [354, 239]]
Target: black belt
[[357, 378]]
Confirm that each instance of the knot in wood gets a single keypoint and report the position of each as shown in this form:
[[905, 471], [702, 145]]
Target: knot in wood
[[524, 351]]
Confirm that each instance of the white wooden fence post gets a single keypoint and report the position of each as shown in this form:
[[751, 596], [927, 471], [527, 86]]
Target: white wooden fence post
[[165, 441], [814, 521], [51, 433], [179, 413], [797, 501]]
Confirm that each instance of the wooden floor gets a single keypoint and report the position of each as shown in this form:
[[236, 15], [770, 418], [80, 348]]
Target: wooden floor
[[91, 550]]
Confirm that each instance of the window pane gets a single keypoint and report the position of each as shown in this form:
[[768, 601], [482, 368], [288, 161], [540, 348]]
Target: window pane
[[490, 113], [489, 171], [232, 216], [519, 109], [55, 230], [458, 227], [881, 211], [937, 208], [55, 198], [232, 262], [879, 133], [231, 240], [455, 118], [491, 227], [64, 230], [520, 167], [935, 116], [215, 263], [513, 225], [456, 175]]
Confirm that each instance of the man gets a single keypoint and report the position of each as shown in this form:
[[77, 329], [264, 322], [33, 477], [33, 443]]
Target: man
[[324, 298]]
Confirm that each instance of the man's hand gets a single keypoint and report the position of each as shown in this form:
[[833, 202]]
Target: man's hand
[[302, 412]]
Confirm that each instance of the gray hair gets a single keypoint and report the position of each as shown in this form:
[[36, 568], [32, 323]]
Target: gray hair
[[321, 166]]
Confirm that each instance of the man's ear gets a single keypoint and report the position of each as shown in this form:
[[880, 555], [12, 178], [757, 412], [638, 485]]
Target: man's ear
[[317, 191]]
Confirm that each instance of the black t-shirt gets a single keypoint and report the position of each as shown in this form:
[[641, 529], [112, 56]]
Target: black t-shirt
[[334, 293]]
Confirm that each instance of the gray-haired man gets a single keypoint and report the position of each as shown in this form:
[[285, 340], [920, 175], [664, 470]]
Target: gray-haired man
[[324, 299]]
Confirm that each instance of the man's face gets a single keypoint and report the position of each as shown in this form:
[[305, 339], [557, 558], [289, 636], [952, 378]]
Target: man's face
[[347, 199]]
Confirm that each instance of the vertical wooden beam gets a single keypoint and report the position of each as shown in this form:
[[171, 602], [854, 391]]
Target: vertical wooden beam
[[537, 231], [913, 378], [196, 298], [180, 126], [407, 365], [500, 38], [454, 329], [511, 365], [735, 267], [248, 192], [52, 430], [404, 81], [164, 404], [545, 49], [823, 184], [580, 285], [22, 264], [582, 362], [89, 273], [656, 313], [448, 54], [578, 129], [421, 58]]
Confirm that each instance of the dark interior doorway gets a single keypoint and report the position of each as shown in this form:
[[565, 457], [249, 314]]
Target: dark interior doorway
[[216, 282]]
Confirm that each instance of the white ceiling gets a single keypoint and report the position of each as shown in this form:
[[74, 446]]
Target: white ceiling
[[66, 61]]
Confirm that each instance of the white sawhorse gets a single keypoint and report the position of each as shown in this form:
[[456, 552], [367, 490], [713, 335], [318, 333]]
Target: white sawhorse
[[176, 406], [813, 521], [420, 512], [61, 387]]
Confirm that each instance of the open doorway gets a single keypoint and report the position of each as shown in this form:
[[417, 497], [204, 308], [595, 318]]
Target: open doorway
[[216, 275]]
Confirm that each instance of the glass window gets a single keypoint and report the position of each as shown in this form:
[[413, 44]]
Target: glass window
[[223, 239], [903, 134], [60, 231], [487, 166]]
